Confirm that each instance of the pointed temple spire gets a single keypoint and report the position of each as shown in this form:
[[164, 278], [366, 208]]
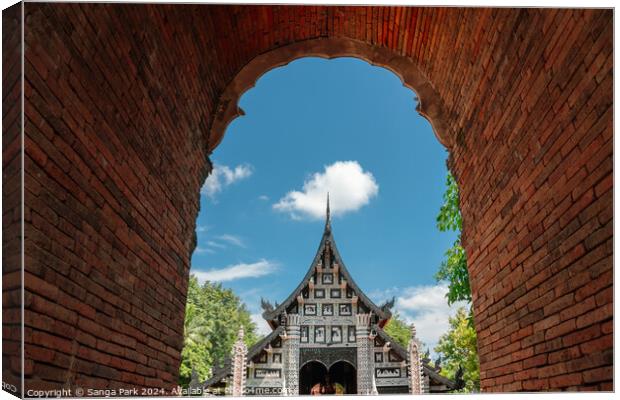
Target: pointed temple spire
[[327, 215]]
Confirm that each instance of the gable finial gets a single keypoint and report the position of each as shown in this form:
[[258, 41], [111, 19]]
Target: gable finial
[[328, 206], [327, 215]]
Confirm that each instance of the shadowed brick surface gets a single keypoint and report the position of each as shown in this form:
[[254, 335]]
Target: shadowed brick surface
[[11, 200], [119, 101]]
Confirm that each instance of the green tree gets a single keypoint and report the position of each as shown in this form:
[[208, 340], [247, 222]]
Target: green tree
[[398, 330], [213, 316], [454, 268], [458, 348]]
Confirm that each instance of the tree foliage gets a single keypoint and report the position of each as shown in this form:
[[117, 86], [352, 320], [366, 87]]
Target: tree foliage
[[458, 348], [449, 218], [398, 330], [454, 268], [213, 316]]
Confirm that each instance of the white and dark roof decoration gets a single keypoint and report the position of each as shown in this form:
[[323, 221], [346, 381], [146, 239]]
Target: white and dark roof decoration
[[272, 313], [224, 370], [428, 370]]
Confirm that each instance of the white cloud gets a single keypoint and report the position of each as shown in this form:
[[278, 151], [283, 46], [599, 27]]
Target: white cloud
[[262, 327], [263, 197], [425, 306], [201, 250], [349, 187], [223, 176], [232, 239], [214, 244], [237, 271], [220, 242]]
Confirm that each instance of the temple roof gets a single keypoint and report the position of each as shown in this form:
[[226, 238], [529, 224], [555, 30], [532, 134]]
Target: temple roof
[[260, 345], [383, 313], [427, 369], [220, 373]]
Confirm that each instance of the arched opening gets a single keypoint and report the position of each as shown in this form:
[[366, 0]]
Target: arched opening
[[344, 374], [262, 140], [310, 374]]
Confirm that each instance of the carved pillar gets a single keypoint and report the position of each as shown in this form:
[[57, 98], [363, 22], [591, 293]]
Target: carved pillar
[[374, 391], [239, 354], [291, 362], [416, 382], [365, 369]]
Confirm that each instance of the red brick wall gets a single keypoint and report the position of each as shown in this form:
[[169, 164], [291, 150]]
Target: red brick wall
[[535, 169], [11, 199], [114, 159], [119, 101]]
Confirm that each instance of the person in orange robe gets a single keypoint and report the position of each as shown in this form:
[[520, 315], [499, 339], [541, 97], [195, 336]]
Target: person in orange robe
[[325, 387]]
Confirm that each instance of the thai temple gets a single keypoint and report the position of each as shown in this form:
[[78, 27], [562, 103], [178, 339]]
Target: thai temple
[[327, 338]]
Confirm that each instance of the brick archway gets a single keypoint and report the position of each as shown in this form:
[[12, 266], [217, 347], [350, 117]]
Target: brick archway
[[429, 103], [118, 110]]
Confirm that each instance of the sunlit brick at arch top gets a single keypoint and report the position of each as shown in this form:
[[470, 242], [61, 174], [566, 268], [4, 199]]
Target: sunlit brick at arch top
[[123, 105]]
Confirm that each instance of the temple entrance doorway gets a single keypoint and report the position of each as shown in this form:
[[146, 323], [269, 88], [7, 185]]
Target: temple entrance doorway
[[315, 378], [345, 375], [310, 374]]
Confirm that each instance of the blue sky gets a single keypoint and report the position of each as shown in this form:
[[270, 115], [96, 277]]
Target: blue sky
[[340, 125]]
